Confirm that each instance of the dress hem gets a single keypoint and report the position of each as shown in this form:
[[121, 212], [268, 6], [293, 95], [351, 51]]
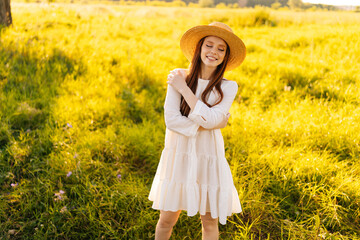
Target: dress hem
[[192, 215]]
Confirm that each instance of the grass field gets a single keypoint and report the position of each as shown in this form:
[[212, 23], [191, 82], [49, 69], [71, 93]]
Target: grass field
[[82, 89]]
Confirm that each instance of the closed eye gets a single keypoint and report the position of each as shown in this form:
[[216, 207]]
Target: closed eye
[[221, 50], [208, 45]]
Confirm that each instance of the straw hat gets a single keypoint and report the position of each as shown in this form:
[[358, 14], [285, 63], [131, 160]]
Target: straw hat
[[192, 36]]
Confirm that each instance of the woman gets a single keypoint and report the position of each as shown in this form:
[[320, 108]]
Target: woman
[[193, 174]]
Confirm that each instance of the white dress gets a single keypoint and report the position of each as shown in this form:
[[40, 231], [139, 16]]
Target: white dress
[[193, 173]]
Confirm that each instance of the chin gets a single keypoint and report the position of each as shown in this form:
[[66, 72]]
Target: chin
[[213, 65]]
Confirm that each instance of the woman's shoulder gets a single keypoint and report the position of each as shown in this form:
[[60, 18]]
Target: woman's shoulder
[[228, 83]]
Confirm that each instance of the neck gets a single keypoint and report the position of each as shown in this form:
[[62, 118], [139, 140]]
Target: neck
[[206, 72]]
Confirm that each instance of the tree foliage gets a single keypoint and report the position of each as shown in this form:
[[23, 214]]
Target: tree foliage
[[206, 3], [267, 3], [294, 4]]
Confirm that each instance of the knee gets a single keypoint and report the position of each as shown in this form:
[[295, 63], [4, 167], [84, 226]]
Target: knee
[[209, 223], [166, 222]]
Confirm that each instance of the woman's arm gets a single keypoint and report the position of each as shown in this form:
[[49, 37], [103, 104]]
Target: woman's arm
[[210, 117], [221, 125], [207, 117], [174, 120], [176, 79]]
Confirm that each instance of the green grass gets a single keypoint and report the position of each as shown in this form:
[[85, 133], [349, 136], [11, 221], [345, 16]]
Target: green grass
[[82, 89]]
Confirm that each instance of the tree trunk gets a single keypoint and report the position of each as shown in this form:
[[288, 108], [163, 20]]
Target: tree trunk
[[5, 13]]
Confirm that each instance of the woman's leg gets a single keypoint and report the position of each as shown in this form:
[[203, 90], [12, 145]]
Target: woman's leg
[[210, 229], [165, 224]]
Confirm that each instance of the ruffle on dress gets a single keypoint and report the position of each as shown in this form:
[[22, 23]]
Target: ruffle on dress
[[186, 181]]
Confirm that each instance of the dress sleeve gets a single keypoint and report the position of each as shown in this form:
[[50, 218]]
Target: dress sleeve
[[210, 117], [174, 120]]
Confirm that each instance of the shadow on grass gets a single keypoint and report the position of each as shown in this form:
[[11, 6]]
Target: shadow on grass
[[29, 85], [28, 91]]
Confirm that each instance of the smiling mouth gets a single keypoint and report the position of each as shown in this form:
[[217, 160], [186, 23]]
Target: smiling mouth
[[211, 58]]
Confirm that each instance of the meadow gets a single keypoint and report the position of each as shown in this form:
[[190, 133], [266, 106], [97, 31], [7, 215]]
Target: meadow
[[82, 89]]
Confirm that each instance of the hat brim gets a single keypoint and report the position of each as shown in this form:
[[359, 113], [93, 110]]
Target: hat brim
[[192, 36]]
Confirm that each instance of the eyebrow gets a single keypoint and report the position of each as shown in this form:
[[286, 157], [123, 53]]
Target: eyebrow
[[221, 45]]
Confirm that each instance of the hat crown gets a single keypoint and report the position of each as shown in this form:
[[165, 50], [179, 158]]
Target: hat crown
[[221, 25]]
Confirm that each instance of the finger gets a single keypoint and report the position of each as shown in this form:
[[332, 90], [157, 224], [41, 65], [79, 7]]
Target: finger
[[183, 73]]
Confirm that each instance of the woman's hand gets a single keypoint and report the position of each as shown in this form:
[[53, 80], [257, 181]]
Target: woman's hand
[[176, 79], [224, 122], [221, 125]]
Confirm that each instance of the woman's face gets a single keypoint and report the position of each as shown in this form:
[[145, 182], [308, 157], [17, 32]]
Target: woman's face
[[213, 51]]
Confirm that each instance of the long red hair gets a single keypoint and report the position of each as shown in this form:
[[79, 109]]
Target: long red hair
[[193, 75]]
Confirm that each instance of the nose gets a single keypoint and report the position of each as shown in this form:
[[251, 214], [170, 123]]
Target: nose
[[213, 52]]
